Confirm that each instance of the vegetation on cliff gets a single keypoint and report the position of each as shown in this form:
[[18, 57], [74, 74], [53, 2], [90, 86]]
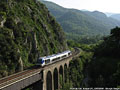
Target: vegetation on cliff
[[27, 31]]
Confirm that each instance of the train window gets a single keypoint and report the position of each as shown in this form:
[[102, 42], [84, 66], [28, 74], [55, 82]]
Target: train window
[[64, 56], [56, 59], [47, 61], [68, 53]]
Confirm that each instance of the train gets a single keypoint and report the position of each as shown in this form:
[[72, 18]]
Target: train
[[42, 61]]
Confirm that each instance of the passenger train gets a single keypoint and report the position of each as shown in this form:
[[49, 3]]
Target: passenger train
[[42, 61]]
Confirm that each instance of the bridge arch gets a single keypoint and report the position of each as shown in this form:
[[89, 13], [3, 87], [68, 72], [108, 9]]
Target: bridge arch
[[61, 76], [55, 75], [65, 73], [49, 81]]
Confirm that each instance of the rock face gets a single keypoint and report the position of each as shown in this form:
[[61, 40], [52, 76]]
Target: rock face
[[20, 65], [2, 23], [27, 32]]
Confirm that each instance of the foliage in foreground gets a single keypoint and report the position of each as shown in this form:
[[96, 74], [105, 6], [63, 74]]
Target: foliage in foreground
[[105, 66], [76, 71]]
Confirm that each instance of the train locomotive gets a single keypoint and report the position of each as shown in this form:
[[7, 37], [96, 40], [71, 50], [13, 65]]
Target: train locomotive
[[42, 61]]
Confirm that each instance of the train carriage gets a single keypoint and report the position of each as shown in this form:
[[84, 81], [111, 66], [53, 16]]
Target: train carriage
[[42, 61]]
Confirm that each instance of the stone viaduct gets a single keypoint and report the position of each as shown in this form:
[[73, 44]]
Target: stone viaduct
[[52, 74], [45, 78]]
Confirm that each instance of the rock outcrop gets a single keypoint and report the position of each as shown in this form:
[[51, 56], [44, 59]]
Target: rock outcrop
[[28, 27]]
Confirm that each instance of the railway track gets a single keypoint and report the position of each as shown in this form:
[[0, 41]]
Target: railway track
[[9, 80], [4, 82]]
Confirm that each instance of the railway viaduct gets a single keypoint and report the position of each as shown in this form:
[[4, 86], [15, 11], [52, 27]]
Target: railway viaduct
[[45, 78]]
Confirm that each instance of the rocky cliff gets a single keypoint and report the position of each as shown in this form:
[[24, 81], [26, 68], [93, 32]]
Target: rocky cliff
[[27, 31]]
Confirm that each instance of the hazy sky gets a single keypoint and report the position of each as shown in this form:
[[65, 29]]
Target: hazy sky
[[100, 5]]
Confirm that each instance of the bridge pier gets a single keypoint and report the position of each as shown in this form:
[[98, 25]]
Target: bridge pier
[[52, 81]]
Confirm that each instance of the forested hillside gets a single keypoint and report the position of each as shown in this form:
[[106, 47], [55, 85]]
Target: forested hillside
[[98, 64], [79, 24], [27, 31], [104, 69]]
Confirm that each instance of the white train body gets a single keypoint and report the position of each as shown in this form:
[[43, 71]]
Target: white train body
[[42, 61]]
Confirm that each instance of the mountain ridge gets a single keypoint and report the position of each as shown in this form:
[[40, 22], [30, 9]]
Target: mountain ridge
[[84, 22], [116, 16]]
